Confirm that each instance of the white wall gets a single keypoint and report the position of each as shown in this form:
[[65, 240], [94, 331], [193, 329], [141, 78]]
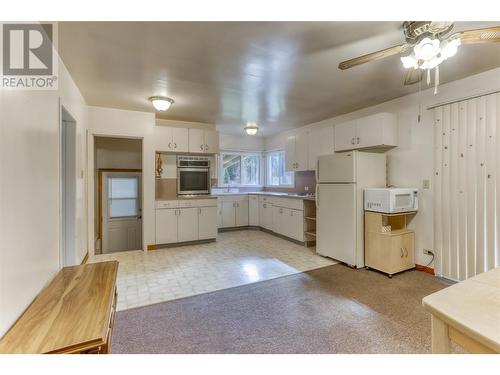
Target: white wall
[[242, 142], [30, 191], [412, 161], [118, 153], [126, 124]]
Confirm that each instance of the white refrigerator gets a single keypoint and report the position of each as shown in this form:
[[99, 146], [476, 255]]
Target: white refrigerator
[[340, 181]]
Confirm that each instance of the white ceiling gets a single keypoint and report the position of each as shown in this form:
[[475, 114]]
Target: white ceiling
[[280, 74]]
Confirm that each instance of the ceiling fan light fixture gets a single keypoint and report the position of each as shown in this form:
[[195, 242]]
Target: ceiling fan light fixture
[[449, 48], [251, 128], [409, 61], [161, 103], [426, 49]]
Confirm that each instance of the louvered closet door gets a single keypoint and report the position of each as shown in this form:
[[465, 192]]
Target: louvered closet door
[[467, 187]]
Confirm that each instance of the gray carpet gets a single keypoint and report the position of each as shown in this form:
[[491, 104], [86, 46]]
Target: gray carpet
[[334, 309]]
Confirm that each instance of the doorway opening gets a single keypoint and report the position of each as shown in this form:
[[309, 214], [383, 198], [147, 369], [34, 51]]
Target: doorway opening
[[68, 190], [118, 191]]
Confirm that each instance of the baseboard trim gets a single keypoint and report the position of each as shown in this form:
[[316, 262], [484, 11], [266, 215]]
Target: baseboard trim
[[425, 269], [151, 247], [85, 258], [176, 244]]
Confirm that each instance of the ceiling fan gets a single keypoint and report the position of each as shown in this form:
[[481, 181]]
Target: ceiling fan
[[426, 47]]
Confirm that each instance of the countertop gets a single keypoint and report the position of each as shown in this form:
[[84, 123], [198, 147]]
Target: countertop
[[267, 193]]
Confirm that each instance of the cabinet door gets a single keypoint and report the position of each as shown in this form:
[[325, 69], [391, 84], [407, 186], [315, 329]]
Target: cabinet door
[[207, 227], [211, 142], [196, 141], [290, 153], [163, 138], [369, 132], [266, 216], [242, 213], [279, 225], [228, 214], [187, 224], [320, 142], [166, 226], [253, 210], [402, 252], [345, 136], [219, 213], [180, 139], [296, 224], [301, 151]]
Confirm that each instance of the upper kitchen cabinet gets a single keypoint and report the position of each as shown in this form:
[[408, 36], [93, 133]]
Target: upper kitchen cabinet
[[203, 141], [296, 150], [320, 143], [171, 139], [371, 132]]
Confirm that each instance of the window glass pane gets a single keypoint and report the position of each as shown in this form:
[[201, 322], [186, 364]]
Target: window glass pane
[[122, 187], [276, 174], [122, 207], [250, 170], [231, 169]]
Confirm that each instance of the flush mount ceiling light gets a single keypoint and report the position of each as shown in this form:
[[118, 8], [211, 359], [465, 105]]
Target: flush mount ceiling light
[[251, 128], [161, 103]]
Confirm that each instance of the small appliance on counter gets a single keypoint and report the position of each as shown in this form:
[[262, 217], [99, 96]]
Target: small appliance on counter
[[193, 175], [391, 200]]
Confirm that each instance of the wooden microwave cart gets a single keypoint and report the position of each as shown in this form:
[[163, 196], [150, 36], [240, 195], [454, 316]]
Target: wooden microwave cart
[[75, 313], [391, 251]]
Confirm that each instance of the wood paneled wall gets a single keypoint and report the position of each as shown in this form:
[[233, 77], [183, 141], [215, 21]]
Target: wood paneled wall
[[467, 187]]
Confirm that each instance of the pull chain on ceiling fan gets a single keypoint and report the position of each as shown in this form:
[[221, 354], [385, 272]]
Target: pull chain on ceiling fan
[[429, 47]]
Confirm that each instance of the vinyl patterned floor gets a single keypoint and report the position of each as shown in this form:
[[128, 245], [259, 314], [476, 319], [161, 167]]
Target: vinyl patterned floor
[[237, 258]]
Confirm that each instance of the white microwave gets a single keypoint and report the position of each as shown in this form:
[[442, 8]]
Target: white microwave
[[391, 200]]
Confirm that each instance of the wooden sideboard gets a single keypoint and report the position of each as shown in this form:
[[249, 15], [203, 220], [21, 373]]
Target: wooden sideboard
[[73, 314]]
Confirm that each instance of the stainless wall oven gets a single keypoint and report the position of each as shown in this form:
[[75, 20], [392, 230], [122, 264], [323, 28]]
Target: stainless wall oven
[[193, 175]]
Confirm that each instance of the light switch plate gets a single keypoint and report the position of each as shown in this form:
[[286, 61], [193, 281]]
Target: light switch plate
[[426, 184]]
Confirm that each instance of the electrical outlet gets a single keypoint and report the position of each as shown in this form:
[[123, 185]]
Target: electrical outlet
[[426, 184], [306, 188], [428, 252]]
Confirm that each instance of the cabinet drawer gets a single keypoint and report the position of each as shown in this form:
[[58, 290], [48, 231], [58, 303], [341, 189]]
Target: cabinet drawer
[[167, 204], [292, 203]]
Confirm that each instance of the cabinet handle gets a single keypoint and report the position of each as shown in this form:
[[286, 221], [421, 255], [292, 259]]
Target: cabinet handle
[[281, 210], [201, 147], [206, 147], [169, 144], [406, 252], [297, 165], [402, 254], [353, 141], [264, 205], [175, 145], [357, 140]]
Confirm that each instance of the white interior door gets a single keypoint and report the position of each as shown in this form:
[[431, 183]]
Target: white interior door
[[121, 211]]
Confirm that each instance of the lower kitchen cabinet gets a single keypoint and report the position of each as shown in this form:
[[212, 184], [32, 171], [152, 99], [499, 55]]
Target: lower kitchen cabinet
[[253, 210], [207, 226], [198, 222], [166, 225], [265, 213], [288, 222], [233, 211], [187, 224]]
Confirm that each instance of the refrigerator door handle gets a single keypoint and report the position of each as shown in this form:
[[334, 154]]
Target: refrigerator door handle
[[316, 193], [317, 171]]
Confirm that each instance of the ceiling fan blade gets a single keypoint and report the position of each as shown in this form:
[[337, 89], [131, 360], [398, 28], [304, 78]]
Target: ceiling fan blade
[[413, 76], [486, 35], [373, 56]]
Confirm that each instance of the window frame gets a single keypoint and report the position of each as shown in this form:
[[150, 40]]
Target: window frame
[[261, 168], [110, 199], [267, 171]]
